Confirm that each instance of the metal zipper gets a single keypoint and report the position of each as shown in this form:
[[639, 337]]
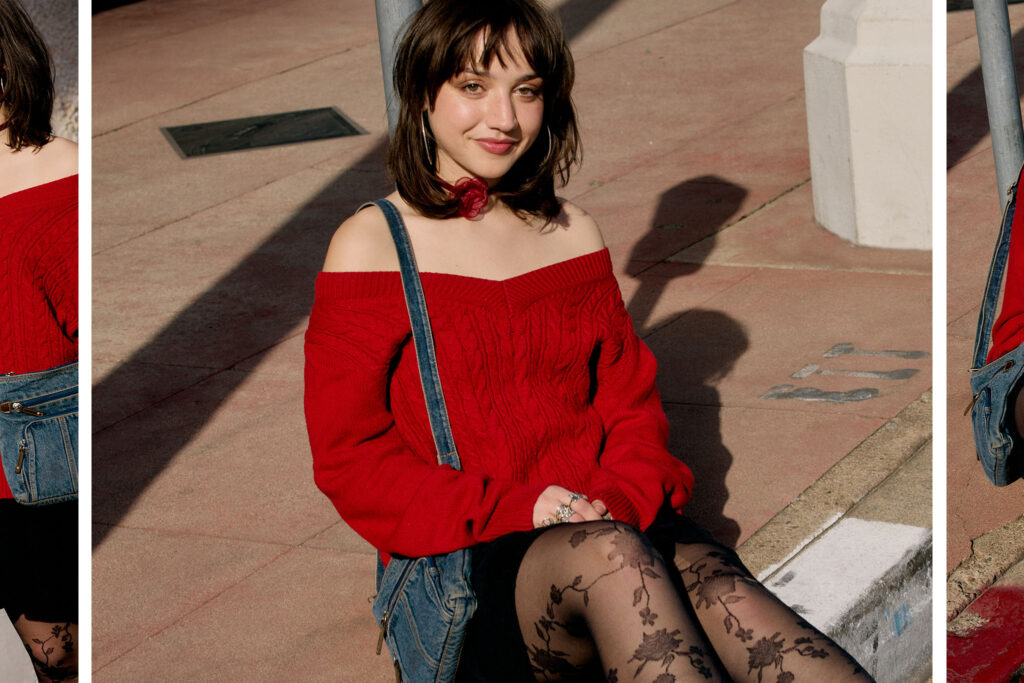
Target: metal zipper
[[402, 580], [16, 407], [974, 399], [21, 456]]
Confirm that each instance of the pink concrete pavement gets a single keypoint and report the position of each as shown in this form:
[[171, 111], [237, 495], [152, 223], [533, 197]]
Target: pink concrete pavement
[[215, 556], [974, 506]]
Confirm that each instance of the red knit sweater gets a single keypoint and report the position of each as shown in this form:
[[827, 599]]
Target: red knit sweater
[[1008, 330], [38, 279], [545, 383]]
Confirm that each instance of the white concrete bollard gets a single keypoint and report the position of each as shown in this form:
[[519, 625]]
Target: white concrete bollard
[[868, 89]]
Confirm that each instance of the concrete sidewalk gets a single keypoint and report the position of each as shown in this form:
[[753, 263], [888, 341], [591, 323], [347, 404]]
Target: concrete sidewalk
[[215, 556]]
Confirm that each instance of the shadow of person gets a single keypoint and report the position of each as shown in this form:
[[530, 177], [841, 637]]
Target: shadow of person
[[689, 212], [695, 348], [694, 354]]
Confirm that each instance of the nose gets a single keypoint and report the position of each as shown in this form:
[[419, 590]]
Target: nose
[[501, 113]]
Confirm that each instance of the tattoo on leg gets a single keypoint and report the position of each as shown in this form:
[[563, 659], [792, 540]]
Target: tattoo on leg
[[61, 635]]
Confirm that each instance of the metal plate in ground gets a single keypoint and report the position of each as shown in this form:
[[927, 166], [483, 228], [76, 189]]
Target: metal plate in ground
[[214, 137]]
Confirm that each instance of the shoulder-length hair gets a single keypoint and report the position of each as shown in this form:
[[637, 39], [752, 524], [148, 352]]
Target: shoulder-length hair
[[27, 74], [442, 40]]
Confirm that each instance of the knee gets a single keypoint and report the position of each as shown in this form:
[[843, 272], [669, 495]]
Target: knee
[[606, 547]]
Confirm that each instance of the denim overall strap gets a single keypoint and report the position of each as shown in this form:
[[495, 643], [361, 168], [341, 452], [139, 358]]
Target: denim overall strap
[[987, 315], [423, 339]]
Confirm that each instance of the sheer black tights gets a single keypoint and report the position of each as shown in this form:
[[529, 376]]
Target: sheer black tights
[[52, 647], [598, 594], [597, 600]]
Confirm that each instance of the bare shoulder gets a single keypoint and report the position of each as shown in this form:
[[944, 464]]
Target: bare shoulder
[[61, 156], [362, 243], [580, 227]]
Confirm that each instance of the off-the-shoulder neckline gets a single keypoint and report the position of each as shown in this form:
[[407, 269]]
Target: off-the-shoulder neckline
[[507, 280], [42, 187]]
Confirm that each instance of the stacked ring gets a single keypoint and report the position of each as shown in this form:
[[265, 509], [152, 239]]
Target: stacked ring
[[564, 513]]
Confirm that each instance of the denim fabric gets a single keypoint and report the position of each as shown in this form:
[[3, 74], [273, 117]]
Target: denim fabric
[[40, 451], [993, 385], [423, 604]]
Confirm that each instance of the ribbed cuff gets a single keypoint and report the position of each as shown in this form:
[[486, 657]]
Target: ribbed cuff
[[514, 512], [618, 504]]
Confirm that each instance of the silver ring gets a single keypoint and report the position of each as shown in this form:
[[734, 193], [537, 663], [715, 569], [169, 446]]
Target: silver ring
[[573, 497], [564, 513], [548, 521]]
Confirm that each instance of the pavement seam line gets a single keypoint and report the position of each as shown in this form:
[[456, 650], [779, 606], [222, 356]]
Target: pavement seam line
[[217, 371], [643, 160], [744, 217], [656, 31], [229, 90], [840, 488], [219, 204], [199, 606]]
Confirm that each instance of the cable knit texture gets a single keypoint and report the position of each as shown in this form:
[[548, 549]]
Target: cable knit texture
[[545, 383], [1008, 330], [38, 279]]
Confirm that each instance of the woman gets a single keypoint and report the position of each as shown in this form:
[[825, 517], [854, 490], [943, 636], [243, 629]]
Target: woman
[[38, 284], [550, 392]]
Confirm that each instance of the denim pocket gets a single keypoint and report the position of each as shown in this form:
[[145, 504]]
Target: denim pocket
[[39, 435], [992, 387], [423, 606]]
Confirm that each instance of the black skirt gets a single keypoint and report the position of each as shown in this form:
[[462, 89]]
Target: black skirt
[[493, 650], [39, 569]]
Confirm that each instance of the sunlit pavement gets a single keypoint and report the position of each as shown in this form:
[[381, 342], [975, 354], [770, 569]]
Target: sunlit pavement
[[215, 555]]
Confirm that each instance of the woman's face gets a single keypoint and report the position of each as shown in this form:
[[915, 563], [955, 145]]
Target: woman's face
[[485, 118]]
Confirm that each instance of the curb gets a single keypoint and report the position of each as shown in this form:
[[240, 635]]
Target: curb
[[991, 555], [862, 577]]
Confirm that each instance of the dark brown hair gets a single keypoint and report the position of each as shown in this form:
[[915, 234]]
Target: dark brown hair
[[441, 41], [27, 74]]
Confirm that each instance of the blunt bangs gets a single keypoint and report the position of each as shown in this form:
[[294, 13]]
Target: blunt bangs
[[442, 40]]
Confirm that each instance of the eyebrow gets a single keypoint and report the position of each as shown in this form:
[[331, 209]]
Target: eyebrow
[[487, 74]]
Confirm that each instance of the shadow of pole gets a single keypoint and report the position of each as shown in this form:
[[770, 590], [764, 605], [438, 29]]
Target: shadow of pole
[[249, 310], [966, 114]]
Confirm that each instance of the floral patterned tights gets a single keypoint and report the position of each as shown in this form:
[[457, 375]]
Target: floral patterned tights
[[596, 600]]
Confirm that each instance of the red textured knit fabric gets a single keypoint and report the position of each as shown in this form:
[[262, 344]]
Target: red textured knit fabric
[[545, 383], [38, 279], [1008, 331]]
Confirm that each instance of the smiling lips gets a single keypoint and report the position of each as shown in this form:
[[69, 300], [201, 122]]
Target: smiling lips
[[495, 146]]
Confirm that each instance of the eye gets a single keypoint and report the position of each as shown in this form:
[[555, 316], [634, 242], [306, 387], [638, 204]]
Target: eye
[[528, 92], [473, 88]]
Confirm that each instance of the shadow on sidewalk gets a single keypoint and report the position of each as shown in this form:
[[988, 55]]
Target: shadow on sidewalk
[[710, 341], [249, 310], [966, 114]]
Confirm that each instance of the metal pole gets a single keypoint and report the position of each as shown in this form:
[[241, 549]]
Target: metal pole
[[1002, 100], [391, 15]]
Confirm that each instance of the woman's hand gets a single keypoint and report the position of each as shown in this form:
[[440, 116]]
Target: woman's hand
[[546, 508]]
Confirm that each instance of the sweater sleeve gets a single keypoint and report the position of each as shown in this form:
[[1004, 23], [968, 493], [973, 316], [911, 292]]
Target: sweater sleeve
[[401, 501], [636, 474], [59, 268]]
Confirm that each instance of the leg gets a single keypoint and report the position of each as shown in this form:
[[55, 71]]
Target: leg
[[42, 564], [757, 637], [598, 593], [53, 648]]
